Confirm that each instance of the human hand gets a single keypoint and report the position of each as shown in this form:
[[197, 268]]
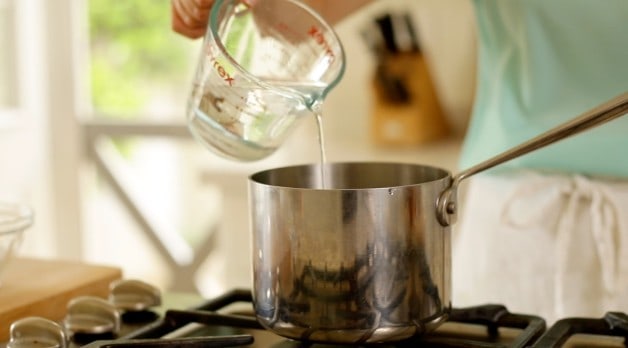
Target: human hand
[[189, 17]]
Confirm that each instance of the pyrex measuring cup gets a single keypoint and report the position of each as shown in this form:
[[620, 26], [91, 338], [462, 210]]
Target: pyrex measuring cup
[[264, 65]]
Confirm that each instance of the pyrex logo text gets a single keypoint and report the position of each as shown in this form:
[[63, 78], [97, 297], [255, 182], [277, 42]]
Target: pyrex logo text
[[318, 36], [215, 64]]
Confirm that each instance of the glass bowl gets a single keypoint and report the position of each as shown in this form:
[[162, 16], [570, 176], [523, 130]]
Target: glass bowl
[[14, 219]]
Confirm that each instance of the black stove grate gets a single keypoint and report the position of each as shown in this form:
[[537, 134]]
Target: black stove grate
[[613, 324], [187, 342], [491, 318], [203, 314]]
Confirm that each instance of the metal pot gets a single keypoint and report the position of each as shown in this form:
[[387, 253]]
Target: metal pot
[[366, 259]]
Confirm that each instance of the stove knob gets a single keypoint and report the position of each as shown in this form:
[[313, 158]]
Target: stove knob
[[36, 332], [91, 315], [133, 295]]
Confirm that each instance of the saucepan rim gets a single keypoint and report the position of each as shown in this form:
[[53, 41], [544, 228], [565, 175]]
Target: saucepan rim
[[437, 174]]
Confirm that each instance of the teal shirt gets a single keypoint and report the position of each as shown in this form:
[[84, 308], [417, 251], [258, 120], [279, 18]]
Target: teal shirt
[[544, 62]]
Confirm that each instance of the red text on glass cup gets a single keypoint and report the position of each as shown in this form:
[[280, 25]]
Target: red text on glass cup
[[318, 36], [219, 68]]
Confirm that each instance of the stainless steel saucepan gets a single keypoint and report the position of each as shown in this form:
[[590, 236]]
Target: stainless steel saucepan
[[366, 259]]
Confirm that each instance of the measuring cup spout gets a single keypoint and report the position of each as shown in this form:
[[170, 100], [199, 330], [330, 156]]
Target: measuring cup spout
[[447, 202]]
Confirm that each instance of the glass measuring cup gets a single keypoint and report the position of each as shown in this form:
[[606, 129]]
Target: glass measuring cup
[[264, 65]]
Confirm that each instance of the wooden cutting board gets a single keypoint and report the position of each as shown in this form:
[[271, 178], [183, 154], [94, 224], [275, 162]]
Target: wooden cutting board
[[35, 287]]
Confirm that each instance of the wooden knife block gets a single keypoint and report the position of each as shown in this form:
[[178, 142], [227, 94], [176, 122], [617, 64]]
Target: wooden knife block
[[419, 120]]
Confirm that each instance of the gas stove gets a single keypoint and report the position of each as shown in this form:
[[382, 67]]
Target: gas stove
[[133, 315]]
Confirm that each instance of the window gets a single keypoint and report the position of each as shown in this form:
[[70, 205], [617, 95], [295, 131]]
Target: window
[[149, 210], [139, 68], [8, 78]]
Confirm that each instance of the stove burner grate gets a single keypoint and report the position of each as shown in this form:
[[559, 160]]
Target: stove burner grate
[[612, 324], [492, 317], [188, 342]]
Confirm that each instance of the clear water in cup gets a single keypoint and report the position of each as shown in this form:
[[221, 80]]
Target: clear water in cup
[[250, 123]]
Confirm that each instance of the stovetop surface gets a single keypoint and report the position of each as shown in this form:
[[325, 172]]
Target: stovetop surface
[[228, 321], [231, 317]]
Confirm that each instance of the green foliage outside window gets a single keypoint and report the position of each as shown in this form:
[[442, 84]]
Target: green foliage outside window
[[135, 57]]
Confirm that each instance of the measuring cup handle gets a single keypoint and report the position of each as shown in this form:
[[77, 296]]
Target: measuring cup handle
[[610, 110]]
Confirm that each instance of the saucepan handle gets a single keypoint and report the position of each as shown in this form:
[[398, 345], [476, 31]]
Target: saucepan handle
[[446, 204]]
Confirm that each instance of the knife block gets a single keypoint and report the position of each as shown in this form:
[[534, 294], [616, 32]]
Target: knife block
[[411, 119]]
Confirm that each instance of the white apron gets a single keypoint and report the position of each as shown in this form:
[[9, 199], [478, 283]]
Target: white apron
[[550, 245]]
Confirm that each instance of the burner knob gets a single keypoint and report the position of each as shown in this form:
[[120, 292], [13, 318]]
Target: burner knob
[[133, 295], [36, 332], [91, 315]]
